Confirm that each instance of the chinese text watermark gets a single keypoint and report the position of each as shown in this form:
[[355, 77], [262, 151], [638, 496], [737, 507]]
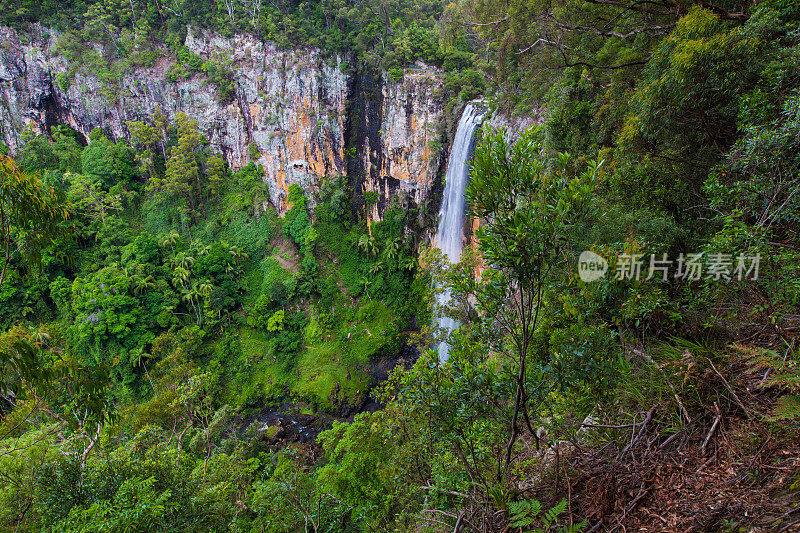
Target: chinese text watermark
[[690, 267]]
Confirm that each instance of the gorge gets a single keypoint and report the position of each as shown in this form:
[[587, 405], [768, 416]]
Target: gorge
[[222, 306]]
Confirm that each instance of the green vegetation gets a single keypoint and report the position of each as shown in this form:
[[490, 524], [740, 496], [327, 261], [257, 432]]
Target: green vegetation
[[147, 272], [156, 310], [383, 35]]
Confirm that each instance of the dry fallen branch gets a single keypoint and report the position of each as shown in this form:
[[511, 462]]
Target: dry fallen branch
[[730, 389], [712, 430], [635, 438]]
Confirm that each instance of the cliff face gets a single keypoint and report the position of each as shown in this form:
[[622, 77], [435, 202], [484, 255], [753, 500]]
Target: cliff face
[[410, 116], [307, 117], [515, 125]]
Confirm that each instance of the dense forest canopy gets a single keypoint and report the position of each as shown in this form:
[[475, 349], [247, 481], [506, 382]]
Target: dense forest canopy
[[176, 356], [388, 34]]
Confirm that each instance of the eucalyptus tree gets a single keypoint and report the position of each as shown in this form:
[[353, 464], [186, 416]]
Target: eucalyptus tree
[[528, 208]]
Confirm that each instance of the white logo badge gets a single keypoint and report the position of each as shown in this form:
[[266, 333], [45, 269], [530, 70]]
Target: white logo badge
[[591, 266]]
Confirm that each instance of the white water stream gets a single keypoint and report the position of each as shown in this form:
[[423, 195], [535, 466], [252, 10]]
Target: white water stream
[[449, 235]]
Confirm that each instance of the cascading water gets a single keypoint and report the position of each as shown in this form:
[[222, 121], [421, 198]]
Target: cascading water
[[451, 215]]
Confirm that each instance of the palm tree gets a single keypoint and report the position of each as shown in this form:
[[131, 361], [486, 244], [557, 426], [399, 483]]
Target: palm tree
[[376, 267], [138, 356], [237, 253], [190, 296], [180, 276], [199, 247], [142, 284], [363, 243], [183, 261], [367, 244], [169, 239], [204, 288], [392, 250]]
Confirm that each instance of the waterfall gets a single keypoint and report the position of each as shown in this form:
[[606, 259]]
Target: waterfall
[[451, 214]]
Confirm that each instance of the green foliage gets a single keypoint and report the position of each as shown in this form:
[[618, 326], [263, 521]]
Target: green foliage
[[21, 356], [702, 52], [61, 293], [31, 212], [109, 307], [135, 506], [363, 481], [38, 155], [297, 222], [694, 114], [275, 322], [67, 147], [371, 198], [220, 75], [291, 497], [106, 162], [63, 81], [524, 513], [253, 152]]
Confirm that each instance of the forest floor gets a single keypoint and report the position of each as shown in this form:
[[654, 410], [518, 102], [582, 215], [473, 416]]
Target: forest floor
[[713, 460]]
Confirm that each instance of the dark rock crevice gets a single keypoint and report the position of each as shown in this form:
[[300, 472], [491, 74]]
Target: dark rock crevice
[[362, 133]]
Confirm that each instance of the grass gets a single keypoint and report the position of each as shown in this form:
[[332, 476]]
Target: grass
[[256, 375], [341, 339], [322, 368], [341, 357], [252, 286], [331, 370]]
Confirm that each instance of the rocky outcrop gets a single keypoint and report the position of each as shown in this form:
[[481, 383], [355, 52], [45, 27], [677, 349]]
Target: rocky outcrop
[[515, 125], [402, 165], [299, 108]]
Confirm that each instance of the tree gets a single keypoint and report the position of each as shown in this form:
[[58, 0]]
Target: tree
[[67, 149], [217, 174], [291, 499], [92, 203], [145, 137], [367, 244], [107, 162], [169, 239], [182, 177], [32, 215], [527, 210], [683, 115], [38, 155]]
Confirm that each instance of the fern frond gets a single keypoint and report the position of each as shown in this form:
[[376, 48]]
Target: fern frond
[[575, 528], [553, 513], [786, 408], [781, 372], [520, 514]]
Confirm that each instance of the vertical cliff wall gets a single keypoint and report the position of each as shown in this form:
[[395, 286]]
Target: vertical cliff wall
[[307, 117], [402, 160]]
